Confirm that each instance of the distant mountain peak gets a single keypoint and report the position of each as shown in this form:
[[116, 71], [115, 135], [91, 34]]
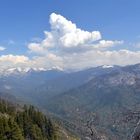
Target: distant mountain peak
[[107, 66], [21, 70], [56, 68]]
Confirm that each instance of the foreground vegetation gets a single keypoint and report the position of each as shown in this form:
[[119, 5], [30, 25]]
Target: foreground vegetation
[[26, 123]]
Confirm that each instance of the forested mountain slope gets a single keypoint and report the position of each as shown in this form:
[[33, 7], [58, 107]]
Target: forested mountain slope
[[103, 101], [27, 123]]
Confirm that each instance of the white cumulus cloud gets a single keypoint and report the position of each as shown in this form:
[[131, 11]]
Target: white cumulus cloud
[[13, 58], [8, 61], [65, 36], [97, 58], [107, 43]]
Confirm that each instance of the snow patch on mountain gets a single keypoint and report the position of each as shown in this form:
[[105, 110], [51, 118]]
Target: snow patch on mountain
[[107, 66], [21, 71]]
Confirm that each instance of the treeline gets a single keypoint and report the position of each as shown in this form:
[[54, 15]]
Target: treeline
[[25, 123]]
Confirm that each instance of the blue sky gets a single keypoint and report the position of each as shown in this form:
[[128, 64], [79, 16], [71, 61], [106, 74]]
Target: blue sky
[[23, 20]]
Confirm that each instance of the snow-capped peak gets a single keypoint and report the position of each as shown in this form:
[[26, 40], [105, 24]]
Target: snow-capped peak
[[20, 70], [107, 66]]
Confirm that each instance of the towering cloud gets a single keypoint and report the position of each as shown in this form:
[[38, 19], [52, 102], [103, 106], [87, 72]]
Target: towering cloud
[[66, 36]]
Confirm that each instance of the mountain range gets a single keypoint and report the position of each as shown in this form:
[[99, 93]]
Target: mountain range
[[93, 103]]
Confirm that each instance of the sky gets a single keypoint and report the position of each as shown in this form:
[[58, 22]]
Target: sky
[[69, 34]]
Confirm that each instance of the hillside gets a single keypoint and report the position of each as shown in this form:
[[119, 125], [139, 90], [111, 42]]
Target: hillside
[[103, 101], [28, 123]]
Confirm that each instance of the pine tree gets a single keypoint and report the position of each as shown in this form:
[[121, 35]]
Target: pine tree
[[36, 133], [9, 129]]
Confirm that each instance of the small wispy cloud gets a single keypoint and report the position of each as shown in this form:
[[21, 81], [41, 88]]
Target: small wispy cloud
[[11, 42], [2, 48]]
